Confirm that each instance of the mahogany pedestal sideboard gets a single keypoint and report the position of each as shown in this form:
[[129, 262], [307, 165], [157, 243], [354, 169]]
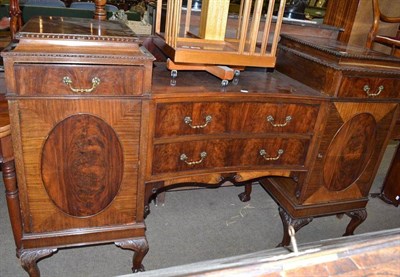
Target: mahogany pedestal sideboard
[[98, 131], [75, 90]]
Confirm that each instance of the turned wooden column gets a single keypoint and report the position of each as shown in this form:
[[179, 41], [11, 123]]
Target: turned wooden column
[[100, 11], [16, 19], [9, 177]]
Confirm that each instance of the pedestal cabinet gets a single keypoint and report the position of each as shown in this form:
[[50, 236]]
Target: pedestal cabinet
[[76, 90], [364, 88]]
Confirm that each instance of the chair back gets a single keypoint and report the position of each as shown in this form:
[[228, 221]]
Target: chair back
[[44, 3], [373, 36]]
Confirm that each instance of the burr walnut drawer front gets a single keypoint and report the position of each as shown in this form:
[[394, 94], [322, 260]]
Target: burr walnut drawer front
[[369, 87], [223, 153], [193, 118], [49, 79]]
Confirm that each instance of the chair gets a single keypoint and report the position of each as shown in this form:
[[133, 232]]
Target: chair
[[16, 18], [373, 36], [83, 5]]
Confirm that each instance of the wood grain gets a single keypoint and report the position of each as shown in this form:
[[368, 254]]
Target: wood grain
[[78, 161]]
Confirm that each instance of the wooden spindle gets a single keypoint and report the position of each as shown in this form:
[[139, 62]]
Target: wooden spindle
[[278, 27], [16, 19], [188, 15], [267, 27], [244, 26], [255, 25], [100, 10]]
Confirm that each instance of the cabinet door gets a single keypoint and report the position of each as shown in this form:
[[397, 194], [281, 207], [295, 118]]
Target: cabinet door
[[351, 148], [77, 162]]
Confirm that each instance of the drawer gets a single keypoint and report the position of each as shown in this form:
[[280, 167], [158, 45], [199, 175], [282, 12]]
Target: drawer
[[177, 119], [222, 153], [369, 87], [49, 79]]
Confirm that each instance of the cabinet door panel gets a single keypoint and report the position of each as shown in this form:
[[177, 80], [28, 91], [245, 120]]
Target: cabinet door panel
[[80, 163], [76, 161], [351, 148]]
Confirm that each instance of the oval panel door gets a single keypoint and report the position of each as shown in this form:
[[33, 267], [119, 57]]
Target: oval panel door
[[82, 165], [349, 152]]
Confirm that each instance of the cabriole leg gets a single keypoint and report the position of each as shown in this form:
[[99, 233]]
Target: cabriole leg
[[245, 196], [140, 247], [30, 257], [357, 217], [287, 220]]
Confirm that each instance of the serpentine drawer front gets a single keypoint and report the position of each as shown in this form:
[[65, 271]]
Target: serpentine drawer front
[[369, 87], [214, 154], [90, 80], [191, 118]]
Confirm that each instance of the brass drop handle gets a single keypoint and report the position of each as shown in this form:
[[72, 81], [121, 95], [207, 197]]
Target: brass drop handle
[[188, 120], [271, 120], [184, 158], [95, 83], [263, 153], [367, 90]]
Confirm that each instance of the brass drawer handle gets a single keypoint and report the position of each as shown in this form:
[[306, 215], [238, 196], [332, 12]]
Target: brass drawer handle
[[271, 119], [263, 153], [367, 90], [188, 121], [184, 158], [95, 83]]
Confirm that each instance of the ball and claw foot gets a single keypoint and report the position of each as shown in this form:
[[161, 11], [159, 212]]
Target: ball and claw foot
[[140, 247], [140, 269], [244, 197]]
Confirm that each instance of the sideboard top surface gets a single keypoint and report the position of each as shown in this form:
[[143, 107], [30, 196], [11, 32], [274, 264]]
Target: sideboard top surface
[[251, 84], [77, 29], [339, 53], [76, 40]]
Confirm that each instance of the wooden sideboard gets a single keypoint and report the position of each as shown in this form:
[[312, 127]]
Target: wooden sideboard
[[99, 130]]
